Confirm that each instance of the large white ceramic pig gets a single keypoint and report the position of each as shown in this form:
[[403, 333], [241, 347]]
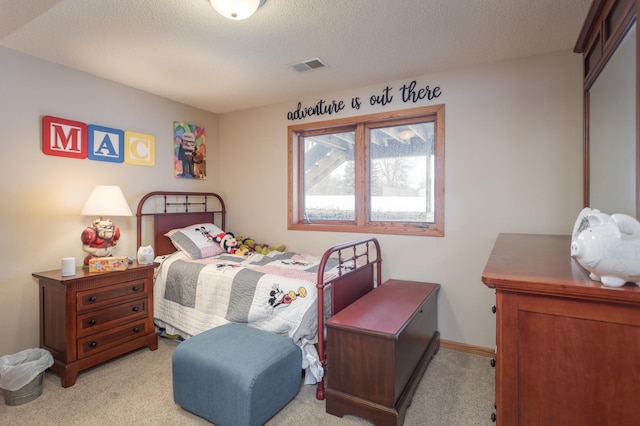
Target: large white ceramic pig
[[608, 247]]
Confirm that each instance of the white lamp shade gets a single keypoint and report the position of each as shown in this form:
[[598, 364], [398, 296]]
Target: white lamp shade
[[106, 201], [236, 9]]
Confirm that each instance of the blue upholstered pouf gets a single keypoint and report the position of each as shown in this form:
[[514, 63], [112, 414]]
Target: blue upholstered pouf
[[236, 375]]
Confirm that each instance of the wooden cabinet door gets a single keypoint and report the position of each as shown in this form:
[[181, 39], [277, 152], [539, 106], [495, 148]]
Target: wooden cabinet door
[[576, 362]]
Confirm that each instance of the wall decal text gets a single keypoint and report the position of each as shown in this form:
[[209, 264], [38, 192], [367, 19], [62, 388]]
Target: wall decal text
[[407, 93]]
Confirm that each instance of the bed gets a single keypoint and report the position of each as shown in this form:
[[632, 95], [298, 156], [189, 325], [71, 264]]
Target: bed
[[198, 288]]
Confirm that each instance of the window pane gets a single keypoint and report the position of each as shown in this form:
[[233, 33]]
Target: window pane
[[329, 177], [402, 173], [380, 173]]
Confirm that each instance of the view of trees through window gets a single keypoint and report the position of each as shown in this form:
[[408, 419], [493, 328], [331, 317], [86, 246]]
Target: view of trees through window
[[379, 173], [400, 174]]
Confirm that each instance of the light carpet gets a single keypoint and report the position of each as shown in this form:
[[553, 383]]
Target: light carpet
[[457, 389]]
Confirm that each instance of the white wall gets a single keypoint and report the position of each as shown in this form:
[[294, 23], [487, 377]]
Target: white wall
[[513, 163], [42, 195]]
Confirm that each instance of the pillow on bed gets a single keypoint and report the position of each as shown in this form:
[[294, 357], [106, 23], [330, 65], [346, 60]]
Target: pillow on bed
[[196, 241]]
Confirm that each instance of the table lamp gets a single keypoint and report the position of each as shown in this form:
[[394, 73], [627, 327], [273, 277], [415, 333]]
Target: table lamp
[[101, 237]]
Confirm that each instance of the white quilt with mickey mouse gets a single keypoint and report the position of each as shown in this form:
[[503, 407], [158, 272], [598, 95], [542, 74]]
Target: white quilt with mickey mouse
[[274, 292]]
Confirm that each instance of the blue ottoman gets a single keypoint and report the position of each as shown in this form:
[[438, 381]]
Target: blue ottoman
[[236, 375]]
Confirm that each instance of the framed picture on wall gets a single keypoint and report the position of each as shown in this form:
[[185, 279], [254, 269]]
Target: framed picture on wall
[[190, 151]]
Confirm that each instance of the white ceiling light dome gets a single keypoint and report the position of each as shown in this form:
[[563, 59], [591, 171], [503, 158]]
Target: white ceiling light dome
[[236, 9]]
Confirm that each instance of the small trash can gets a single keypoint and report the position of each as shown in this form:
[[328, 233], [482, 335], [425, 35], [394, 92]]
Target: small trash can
[[22, 375]]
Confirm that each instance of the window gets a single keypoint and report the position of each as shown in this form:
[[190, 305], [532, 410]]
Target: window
[[380, 173]]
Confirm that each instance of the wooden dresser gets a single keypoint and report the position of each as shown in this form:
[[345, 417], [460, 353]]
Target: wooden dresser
[[87, 319], [568, 349], [378, 349]]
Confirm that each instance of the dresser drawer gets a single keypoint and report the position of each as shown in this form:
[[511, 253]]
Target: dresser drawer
[[102, 319], [99, 297], [102, 341]]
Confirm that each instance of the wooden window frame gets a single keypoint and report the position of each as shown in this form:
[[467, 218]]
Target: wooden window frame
[[360, 124]]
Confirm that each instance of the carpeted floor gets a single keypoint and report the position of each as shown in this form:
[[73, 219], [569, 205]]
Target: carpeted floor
[[457, 389]]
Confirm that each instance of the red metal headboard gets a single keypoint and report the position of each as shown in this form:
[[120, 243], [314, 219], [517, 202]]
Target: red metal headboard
[[171, 210]]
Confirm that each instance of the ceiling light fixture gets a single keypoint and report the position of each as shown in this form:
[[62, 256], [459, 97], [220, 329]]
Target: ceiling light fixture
[[236, 9]]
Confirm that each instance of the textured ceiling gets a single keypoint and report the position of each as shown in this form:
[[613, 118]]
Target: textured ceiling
[[183, 50]]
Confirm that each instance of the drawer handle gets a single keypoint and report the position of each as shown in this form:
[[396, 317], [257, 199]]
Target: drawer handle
[[135, 288], [494, 309], [93, 344], [92, 321], [493, 417], [136, 329], [493, 362], [92, 298], [135, 309]]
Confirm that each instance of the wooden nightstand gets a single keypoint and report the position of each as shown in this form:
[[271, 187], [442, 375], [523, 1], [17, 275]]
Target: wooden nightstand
[[87, 319]]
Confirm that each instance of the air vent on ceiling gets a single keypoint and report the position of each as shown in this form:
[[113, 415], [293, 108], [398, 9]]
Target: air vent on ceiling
[[308, 65]]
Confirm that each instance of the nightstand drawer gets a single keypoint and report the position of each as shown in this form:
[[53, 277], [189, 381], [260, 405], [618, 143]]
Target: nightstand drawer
[[95, 298], [114, 337], [102, 319]]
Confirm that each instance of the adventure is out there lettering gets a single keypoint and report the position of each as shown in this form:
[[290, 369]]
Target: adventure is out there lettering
[[406, 92]]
